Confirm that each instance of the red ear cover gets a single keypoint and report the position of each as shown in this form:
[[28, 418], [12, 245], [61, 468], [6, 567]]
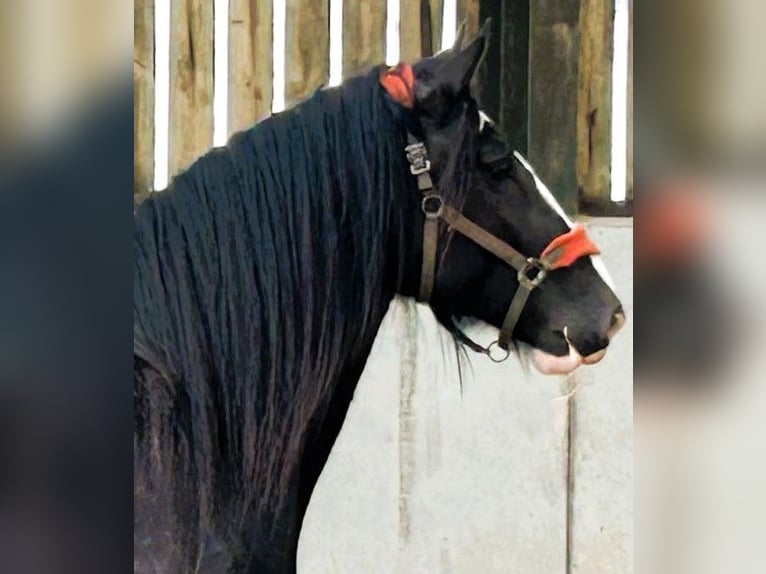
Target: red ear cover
[[399, 83], [569, 247]]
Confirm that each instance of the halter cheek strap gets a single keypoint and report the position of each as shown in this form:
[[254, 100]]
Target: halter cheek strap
[[562, 251]]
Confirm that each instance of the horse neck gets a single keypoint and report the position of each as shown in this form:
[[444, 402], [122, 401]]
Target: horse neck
[[350, 267]]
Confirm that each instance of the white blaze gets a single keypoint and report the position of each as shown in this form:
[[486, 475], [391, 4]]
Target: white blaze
[[542, 189], [598, 263], [484, 119]]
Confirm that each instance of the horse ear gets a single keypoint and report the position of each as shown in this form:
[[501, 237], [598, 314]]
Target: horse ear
[[459, 36], [457, 70]]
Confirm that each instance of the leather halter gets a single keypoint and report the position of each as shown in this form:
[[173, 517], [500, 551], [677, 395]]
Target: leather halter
[[564, 250]]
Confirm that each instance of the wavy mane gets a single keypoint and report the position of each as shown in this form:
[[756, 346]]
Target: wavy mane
[[258, 272]]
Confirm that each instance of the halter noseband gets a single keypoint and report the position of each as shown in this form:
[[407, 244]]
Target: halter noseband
[[562, 251]]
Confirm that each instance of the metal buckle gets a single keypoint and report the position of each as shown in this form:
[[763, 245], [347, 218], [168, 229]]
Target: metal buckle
[[417, 170], [418, 158], [532, 282], [497, 358], [428, 210]]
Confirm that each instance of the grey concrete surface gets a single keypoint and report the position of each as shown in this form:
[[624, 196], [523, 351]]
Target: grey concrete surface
[[431, 477], [601, 466]]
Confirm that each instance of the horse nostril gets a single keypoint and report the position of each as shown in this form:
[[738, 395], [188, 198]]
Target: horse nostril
[[618, 320]]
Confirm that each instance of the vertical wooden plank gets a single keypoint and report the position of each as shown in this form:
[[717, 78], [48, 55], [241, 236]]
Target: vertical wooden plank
[[553, 57], [191, 81], [11, 35], [250, 62], [492, 94], [630, 102], [307, 55], [437, 13], [514, 80], [364, 35], [504, 75], [594, 105], [143, 96], [468, 10], [409, 30]]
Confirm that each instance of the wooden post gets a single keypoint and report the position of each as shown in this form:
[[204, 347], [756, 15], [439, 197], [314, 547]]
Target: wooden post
[[554, 53], [504, 75], [191, 81], [364, 35], [594, 104], [143, 96], [307, 59], [437, 13], [468, 10], [250, 62], [409, 30]]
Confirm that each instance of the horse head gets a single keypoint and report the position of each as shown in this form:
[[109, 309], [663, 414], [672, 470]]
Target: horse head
[[496, 246]]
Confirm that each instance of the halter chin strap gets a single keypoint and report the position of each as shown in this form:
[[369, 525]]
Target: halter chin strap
[[531, 271], [564, 250]]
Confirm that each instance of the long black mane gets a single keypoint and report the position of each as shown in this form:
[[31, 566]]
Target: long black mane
[[259, 271]]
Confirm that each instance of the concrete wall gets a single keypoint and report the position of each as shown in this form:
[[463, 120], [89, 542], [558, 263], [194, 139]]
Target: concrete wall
[[509, 473]]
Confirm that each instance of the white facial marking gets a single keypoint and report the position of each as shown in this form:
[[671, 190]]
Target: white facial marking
[[484, 119], [598, 263], [543, 190], [600, 267]]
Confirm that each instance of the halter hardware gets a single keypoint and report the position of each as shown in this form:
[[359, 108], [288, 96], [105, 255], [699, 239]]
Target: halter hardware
[[532, 264], [531, 271], [427, 205], [505, 353], [417, 155]]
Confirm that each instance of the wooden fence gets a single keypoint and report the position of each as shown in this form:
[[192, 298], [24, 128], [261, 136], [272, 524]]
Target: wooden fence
[[547, 79]]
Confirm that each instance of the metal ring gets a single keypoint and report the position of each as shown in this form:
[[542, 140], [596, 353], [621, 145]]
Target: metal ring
[[432, 214], [497, 358], [525, 280]]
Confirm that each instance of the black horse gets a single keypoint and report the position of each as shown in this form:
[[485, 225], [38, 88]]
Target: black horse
[[262, 275]]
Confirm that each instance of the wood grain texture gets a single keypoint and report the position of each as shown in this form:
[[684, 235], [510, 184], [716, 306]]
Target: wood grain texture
[[250, 62], [143, 96], [307, 59], [364, 35], [553, 91], [468, 10], [594, 100], [191, 81], [437, 13], [409, 30]]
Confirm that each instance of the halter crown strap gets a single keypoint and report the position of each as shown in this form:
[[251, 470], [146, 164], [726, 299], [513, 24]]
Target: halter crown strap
[[420, 166]]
